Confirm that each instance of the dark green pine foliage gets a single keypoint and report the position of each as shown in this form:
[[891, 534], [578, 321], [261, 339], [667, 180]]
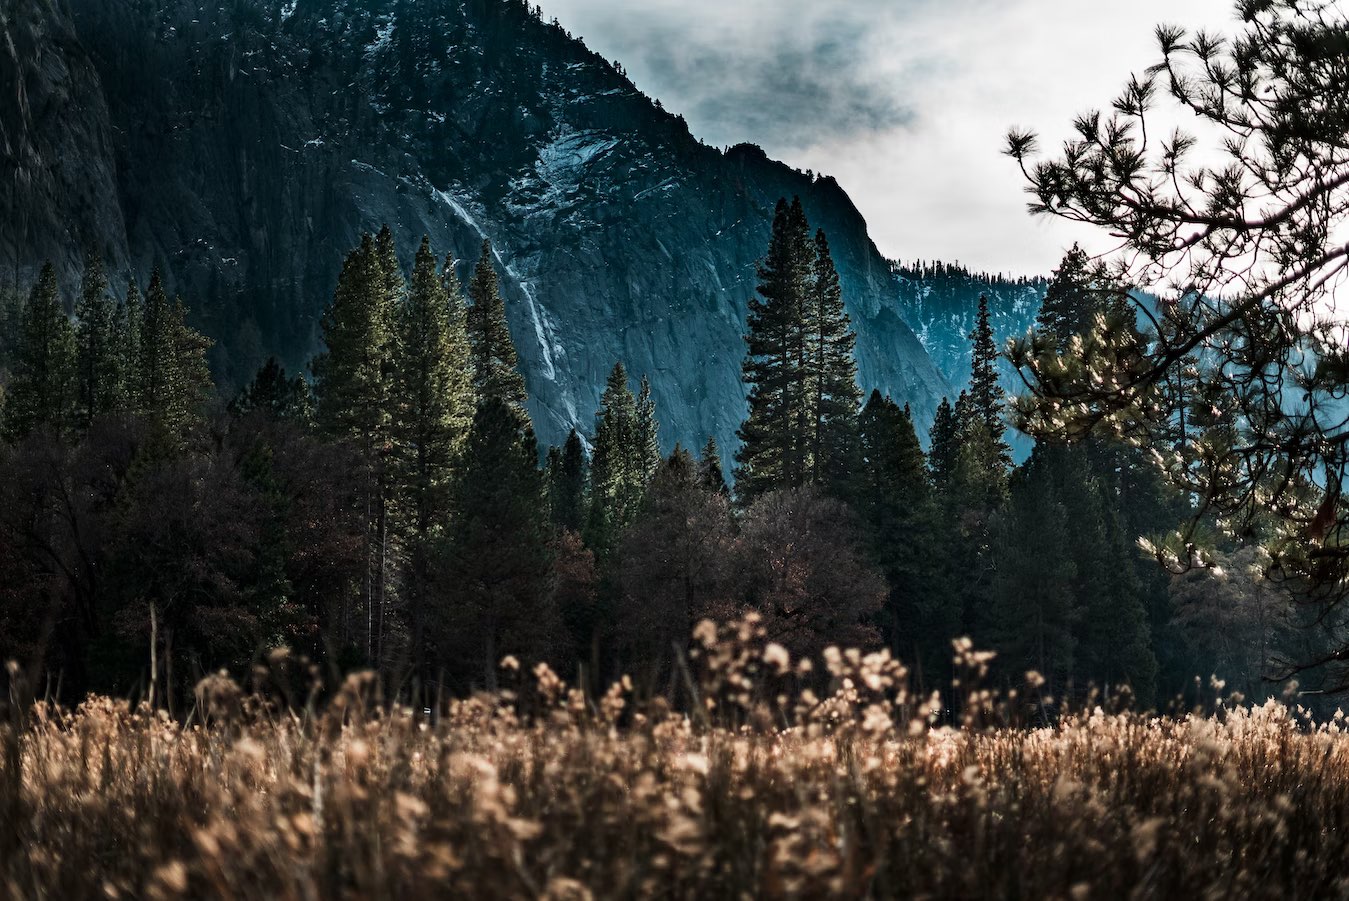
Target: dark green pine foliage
[[895, 502], [648, 431], [943, 445], [172, 379], [710, 474], [1111, 626], [432, 396], [275, 395], [1113, 496], [619, 474], [353, 383], [98, 363], [130, 318], [156, 376], [775, 449], [42, 385], [192, 371], [972, 481], [1084, 620], [568, 474], [432, 393], [987, 399], [351, 376], [1029, 617], [499, 563], [1075, 297], [495, 361], [836, 398]]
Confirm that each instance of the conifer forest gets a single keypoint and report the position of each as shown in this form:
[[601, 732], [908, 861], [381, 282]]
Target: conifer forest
[[502, 493]]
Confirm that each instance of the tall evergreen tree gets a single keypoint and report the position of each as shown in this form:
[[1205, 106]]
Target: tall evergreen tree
[[1029, 617], [352, 373], [433, 403], [98, 365], [156, 376], [499, 561], [42, 389], [192, 371], [618, 466], [172, 378], [495, 361], [647, 437], [130, 317], [353, 383], [710, 474], [894, 501], [1075, 297], [775, 448], [943, 445], [986, 396], [567, 478], [835, 399]]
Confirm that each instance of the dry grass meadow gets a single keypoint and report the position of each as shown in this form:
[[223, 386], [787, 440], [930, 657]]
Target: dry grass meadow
[[766, 791]]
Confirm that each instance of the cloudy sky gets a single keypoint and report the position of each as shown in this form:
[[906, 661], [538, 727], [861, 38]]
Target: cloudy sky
[[906, 102]]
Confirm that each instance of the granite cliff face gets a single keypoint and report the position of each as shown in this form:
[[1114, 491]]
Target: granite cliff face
[[243, 145]]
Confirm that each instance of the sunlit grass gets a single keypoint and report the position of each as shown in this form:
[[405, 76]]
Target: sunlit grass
[[766, 791]]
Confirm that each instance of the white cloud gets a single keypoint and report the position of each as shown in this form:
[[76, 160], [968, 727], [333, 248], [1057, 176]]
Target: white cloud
[[906, 102]]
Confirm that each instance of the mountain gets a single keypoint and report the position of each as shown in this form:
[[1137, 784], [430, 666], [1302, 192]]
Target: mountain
[[940, 302], [243, 145]]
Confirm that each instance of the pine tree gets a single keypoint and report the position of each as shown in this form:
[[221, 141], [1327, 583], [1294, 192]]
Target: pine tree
[[1112, 632], [775, 449], [351, 374], [155, 380], [456, 326], [499, 564], [172, 379], [1075, 297], [894, 500], [943, 445], [836, 399], [710, 474], [1029, 617], [432, 399], [98, 366], [495, 361], [130, 318], [618, 476], [1067, 309], [353, 382], [192, 371], [986, 395], [392, 282], [275, 395], [567, 478], [42, 388], [647, 437]]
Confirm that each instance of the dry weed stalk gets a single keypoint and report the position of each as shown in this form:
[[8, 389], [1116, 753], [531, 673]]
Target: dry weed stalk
[[789, 780]]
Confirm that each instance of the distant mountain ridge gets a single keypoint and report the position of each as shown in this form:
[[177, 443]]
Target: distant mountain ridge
[[244, 145]]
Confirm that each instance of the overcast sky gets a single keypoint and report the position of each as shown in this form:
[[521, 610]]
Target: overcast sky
[[906, 102]]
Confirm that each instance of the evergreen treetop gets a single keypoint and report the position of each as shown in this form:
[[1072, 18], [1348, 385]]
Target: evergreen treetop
[[42, 387], [495, 360]]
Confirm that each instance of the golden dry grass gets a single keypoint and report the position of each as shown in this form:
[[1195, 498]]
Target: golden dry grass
[[540, 793]]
